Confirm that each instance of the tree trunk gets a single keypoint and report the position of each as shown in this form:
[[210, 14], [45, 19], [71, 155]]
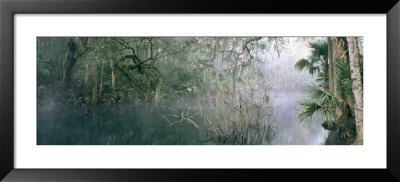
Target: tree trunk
[[357, 87], [194, 75], [335, 89], [112, 75], [341, 54], [222, 57], [339, 112], [73, 55], [94, 88], [330, 68], [235, 70], [70, 62], [101, 77], [85, 87], [149, 51], [286, 77]]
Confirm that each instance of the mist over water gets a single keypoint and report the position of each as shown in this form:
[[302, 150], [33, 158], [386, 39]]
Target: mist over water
[[290, 130], [141, 122]]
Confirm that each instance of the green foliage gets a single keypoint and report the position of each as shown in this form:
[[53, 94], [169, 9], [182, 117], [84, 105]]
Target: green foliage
[[319, 101], [343, 78], [309, 109], [51, 54], [111, 70], [327, 98], [302, 64], [319, 51], [43, 71], [318, 59]]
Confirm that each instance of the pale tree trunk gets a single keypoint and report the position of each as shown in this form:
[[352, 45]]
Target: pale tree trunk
[[112, 75], [86, 79], [359, 50], [149, 55], [222, 56], [94, 88], [101, 77], [194, 73], [286, 78], [235, 70], [357, 87]]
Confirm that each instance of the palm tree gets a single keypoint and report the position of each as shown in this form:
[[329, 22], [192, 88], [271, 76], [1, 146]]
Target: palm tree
[[356, 86], [335, 100], [319, 101], [317, 62]]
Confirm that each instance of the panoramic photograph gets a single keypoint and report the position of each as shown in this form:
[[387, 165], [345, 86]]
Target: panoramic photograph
[[199, 90]]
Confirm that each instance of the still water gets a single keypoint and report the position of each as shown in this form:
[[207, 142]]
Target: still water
[[142, 124], [290, 130]]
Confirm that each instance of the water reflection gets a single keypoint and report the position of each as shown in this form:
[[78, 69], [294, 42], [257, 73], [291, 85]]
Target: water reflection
[[143, 124], [290, 130]]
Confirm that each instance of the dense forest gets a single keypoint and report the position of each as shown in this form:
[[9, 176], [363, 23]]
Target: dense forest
[[199, 90]]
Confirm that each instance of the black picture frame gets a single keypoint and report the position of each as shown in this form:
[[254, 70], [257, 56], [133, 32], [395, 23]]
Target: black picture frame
[[9, 8]]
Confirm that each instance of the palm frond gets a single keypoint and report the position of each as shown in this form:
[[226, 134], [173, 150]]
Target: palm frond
[[310, 108], [313, 69], [307, 111], [321, 77], [317, 59], [323, 96], [302, 64], [319, 101], [320, 50], [343, 77]]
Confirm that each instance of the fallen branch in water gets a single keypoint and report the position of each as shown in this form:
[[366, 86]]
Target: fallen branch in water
[[181, 118]]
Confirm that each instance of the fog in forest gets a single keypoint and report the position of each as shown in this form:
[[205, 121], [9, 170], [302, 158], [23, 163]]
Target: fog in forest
[[197, 90]]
